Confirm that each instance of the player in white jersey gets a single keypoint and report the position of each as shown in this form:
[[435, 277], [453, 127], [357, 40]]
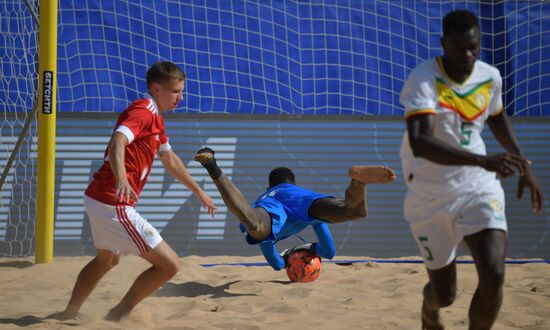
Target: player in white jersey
[[453, 193]]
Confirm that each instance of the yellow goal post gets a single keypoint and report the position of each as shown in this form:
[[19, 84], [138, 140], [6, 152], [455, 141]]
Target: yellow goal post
[[45, 189]]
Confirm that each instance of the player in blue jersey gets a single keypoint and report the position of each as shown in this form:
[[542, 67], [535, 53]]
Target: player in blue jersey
[[286, 209]]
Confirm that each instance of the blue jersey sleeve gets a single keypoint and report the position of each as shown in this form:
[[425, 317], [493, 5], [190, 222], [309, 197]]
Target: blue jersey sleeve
[[272, 255], [325, 248]]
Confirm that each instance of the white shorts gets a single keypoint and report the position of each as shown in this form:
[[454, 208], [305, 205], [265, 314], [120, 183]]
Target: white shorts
[[120, 228], [439, 224]]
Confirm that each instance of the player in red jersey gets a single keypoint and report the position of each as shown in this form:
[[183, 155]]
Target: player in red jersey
[[117, 228]]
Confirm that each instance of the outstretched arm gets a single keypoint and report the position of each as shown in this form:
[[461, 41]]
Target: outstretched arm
[[325, 248], [269, 249], [177, 169]]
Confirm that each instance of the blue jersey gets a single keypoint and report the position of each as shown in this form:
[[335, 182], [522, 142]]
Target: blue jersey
[[288, 205]]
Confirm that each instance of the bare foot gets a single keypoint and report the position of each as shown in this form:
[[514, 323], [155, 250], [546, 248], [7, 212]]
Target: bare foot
[[430, 319], [204, 155], [117, 313], [62, 316], [372, 174], [70, 313]]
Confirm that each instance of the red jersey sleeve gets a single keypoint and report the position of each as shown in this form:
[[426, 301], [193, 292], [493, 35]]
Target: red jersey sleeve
[[136, 120]]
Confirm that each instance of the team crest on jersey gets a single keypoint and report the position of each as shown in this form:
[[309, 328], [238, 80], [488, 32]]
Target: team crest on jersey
[[496, 205], [480, 99], [149, 232], [469, 105]]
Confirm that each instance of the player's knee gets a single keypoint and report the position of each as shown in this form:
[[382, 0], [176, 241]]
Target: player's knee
[[492, 281], [114, 261], [104, 263], [446, 298], [174, 268], [257, 229], [253, 228], [362, 213], [171, 268], [358, 213]]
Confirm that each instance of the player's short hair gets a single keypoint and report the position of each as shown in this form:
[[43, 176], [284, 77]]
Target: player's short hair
[[459, 21], [164, 71], [281, 175]]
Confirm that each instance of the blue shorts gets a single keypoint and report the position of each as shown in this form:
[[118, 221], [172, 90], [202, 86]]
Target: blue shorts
[[288, 205]]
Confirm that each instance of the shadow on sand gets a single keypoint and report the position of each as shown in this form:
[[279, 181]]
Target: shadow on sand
[[195, 289], [19, 264], [29, 320]]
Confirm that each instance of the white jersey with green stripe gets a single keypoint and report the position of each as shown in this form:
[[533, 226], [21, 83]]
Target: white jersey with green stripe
[[460, 111]]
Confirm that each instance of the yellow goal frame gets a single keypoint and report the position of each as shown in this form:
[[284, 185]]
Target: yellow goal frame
[[47, 87]]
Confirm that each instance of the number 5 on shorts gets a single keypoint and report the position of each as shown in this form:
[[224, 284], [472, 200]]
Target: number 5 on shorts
[[423, 240]]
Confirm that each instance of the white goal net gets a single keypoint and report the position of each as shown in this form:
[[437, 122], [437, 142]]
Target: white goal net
[[18, 89]]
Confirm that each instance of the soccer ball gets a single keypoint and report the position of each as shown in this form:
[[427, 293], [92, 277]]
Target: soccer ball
[[303, 266]]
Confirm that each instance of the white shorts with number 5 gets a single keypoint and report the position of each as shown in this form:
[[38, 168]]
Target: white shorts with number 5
[[120, 228], [439, 224]]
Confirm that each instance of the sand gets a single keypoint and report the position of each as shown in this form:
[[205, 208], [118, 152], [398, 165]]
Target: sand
[[364, 295]]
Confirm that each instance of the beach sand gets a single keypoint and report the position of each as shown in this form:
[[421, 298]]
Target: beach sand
[[362, 295]]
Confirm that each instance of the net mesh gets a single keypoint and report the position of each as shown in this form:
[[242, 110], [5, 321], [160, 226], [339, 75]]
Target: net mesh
[[289, 57], [18, 79]]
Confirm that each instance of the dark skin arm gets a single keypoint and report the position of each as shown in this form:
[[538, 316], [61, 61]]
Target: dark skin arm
[[502, 130], [425, 145]]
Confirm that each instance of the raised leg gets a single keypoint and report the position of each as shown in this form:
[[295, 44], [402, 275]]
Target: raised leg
[[256, 220], [354, 205]]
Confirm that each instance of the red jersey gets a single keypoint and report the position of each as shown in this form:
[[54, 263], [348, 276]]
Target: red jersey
[[143, 125]]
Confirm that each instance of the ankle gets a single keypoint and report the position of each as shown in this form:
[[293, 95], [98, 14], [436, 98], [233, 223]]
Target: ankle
[[118, 312], [70, 312], [213, 170]]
